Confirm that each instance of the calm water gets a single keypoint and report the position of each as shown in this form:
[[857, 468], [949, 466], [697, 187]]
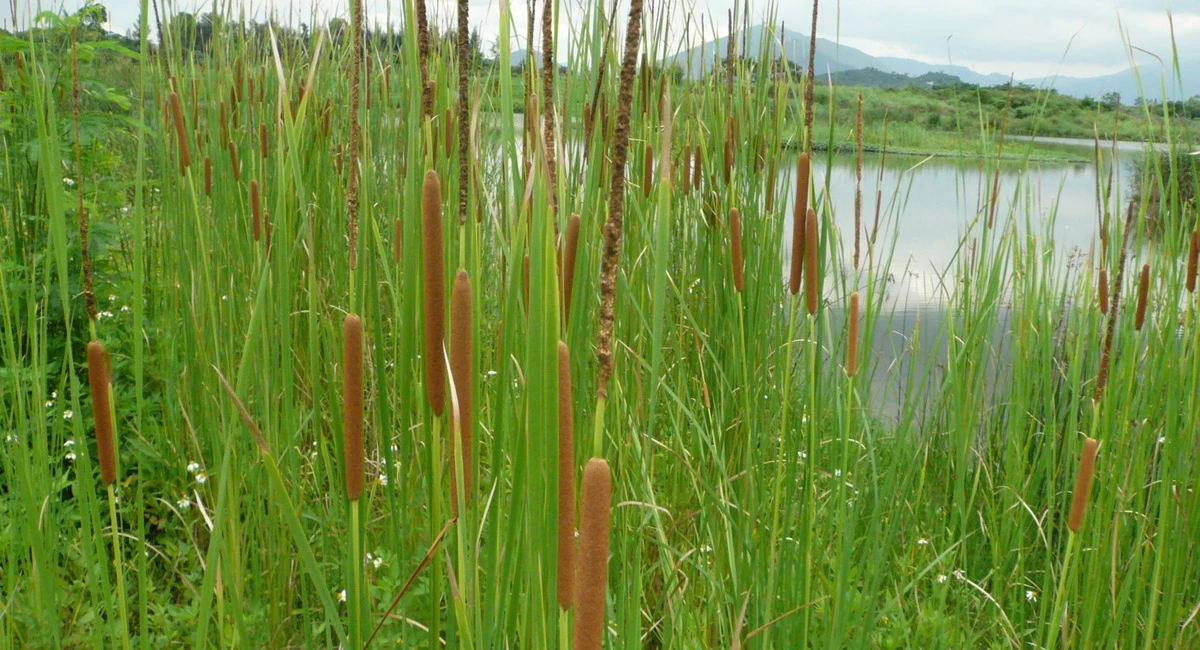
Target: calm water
[[927, 204]]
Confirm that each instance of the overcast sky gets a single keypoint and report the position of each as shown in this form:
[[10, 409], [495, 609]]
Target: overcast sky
[[1030, 38]]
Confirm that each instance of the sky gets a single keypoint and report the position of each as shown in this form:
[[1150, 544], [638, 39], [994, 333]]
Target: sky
[[1028, 38]]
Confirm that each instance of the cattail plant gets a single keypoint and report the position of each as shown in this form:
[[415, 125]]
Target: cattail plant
[[462, 375], [352, 405], [1083, 485], [566, 481], [1193, 259], [686, 169], [591, 570], [98, 383], [464, 118], [729, 149], [1143, 296], [356, 52], [255, 210], [525, 281], [799, 222], [571, 249], [735, 234], [812, 289], [435, 292], [233, 160], [697, 166], [549, 72], [858, 176], [262, 139], [852, 337], [207, 176], [89, 294], [648, 171], [1102, 291], [185, 152]]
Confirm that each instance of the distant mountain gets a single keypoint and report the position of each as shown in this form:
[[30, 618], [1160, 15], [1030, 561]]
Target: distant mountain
[[517, 58], [914, 68], [872, 78], [831, 56]]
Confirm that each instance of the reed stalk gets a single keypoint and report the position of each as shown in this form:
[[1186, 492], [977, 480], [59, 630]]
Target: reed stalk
[[352, 405], [89, 293], [1143, 296], [799, 222], [566, 481], [463, 375], [185, 151], [735, 235], [858, 177]]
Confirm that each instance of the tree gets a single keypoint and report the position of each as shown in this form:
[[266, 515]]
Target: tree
[[1110, 100]]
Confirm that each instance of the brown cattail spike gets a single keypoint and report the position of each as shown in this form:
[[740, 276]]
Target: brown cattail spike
[[812, 289], [1083, 485], [697, 166], [566, 480], [648, 171], [852, 337], [207, 176], [462, 374], [591, 569], [686, 169], [185, 152], [1143, 295], [98, 381], [799, 215], [729, 149], [435, 292], [1102, 291], [233, 160], [1193, 259], [735, 234], [572, 249], [255, 210], [352, 405], [262, 139]]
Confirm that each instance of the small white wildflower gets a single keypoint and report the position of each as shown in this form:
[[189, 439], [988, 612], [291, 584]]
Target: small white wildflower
[[941, 578], [54, 394], [224, 298], [376, 562], [383, 480], [922, 542], [125, 210], [193, 467], [10, 438], [1031, 595], [959, 574], [492, 373], [837, 473], [1162, 439], [68, 181], [49, 404], [112, 297], [68, 414], [395, 448], [104, 314], [184, 503], [124, 309], [342, 596], [706, 549], [70, 455], [69, 443], [201, 478]]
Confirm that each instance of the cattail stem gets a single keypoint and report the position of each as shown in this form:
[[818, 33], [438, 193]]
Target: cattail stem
[[102, 414], [799, 217], [464, 117], [591, 576], [1083, 485], [89, 295], [852, 337], [812, 288], [1143, 296], [858, 176], [566, 480], [435, 292], [462, 374], [729, 149], [735, 234], [352, 405]]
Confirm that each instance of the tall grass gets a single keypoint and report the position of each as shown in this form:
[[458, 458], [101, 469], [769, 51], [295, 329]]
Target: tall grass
[[748, 481]]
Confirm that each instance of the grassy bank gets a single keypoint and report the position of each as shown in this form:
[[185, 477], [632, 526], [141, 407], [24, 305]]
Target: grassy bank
[[356, 355]]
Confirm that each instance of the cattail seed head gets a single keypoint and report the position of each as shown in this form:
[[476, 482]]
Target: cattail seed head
[[735, 234], [435, 292], [224, 123], [566, 481], [262, 139], [98, 381], [1143, 295], [812, 289], [697, 167], [587, 117], [255, 210], [686, 169], [852, 335], [1193, 259], [352, 405], [185, 152], [1083, 485], [1102, 291], [591, 569], [799, 216], [648, 171], [729, 149], [462, 374], [233, 160], [569, 254]]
